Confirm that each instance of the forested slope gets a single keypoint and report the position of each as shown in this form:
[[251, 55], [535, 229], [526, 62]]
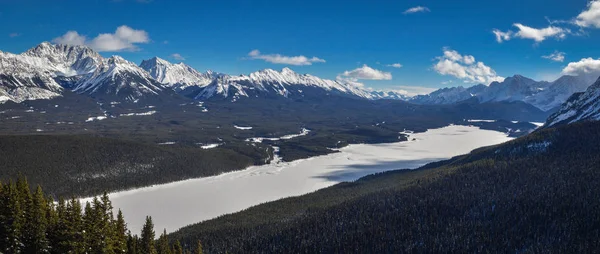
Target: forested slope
[[539, 193], [85, 165]]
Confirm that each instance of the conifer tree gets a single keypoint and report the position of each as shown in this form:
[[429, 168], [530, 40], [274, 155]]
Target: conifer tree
[[36, 224], [132, 243], [163, 244], [120, 234], [177, 249], [75, 227], [13, 220], [147, 238], [198, 248]]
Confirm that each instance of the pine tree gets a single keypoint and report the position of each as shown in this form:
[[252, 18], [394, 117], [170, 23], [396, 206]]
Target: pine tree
[[75, 227], [106, 224], [132, 244], [59, 238], [199, 248], [177, 249], [36, 224], [120, 234], [163, 244], [148, 235], [13, 220]]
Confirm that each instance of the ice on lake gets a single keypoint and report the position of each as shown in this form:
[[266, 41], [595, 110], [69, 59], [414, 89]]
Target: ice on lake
[[178, 204]]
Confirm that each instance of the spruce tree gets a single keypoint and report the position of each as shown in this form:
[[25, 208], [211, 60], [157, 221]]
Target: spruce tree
[[132, 243], [199, 248], [177, 249], [75, 227], [14, 219], [163, 244], [148, 235], [120, 234], [36, 224]]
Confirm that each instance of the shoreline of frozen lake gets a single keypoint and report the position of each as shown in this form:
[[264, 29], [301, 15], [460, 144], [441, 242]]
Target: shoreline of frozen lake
[[175, 205]]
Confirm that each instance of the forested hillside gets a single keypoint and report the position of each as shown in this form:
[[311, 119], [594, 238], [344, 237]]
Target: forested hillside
[[31, 222], [539, 193], [85, 165]]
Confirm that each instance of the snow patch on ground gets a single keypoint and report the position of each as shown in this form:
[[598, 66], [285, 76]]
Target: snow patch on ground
[[140, 114], [95, 118], [235, 191], [242, 127], [209, 146], [480, 121], [303, 132], [167, 143]]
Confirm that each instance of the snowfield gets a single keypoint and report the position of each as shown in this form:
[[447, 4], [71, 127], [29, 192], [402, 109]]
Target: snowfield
[[178, 204]]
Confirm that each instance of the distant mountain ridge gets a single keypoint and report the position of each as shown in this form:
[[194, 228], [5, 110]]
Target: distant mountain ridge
[[544, 95], [44, 71], [584, 106]]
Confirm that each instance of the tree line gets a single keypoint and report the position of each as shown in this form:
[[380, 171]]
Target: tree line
[[31, 222]]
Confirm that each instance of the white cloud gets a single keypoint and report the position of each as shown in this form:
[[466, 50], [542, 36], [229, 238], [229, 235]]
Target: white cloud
[[583, 66], [280, 59], [540, 35], [416, 9], [395, 65], [13, 35], [557, 56], [465, 67], [70, 38], [124, 38], [177, 56], [591, 16], [413, 90], [502, 36], [368, 73]]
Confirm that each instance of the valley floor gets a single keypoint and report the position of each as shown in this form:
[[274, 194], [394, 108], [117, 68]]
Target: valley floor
[[178, 204]]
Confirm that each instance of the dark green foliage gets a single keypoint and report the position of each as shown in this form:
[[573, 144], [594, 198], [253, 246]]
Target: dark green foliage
[[536, 194], [33, 223], [85, 165], [147, 244]]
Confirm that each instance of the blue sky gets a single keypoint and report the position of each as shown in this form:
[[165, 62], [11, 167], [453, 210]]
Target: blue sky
[[435, 45]]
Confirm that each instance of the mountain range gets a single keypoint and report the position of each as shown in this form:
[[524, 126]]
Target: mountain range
[[547, 96], [49, 70]]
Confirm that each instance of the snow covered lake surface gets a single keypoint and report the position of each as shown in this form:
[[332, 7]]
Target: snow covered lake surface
[[178, 204]]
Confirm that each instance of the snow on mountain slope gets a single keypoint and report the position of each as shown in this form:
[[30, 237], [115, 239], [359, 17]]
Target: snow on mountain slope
[[270, 82], [21, 79], [560, 90], [449, 95], [541, 94], [117, 77], [65, 60], [178, 76], [584, 106]]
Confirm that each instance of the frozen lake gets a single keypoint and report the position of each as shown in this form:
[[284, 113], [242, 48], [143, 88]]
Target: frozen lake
[[178, 204]]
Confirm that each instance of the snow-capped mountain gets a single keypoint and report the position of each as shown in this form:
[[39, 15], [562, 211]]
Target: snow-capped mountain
[[449, 95], [268, 82], [389, 95], [584, 106], [560, 90], [177, 76], [22, 78], [44, 71], [541, 94], [117, 78]]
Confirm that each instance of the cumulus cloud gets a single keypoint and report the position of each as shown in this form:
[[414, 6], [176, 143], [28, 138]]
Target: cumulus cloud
[[177, 56], [465, 68], [413, 90], [557, 56], [395, 65], [540, 35], [591, 16], [502, 36], [536, 34], [280, 59], [124, 38], [416, 9], [71, 38], [583, 66], [368, 73]]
